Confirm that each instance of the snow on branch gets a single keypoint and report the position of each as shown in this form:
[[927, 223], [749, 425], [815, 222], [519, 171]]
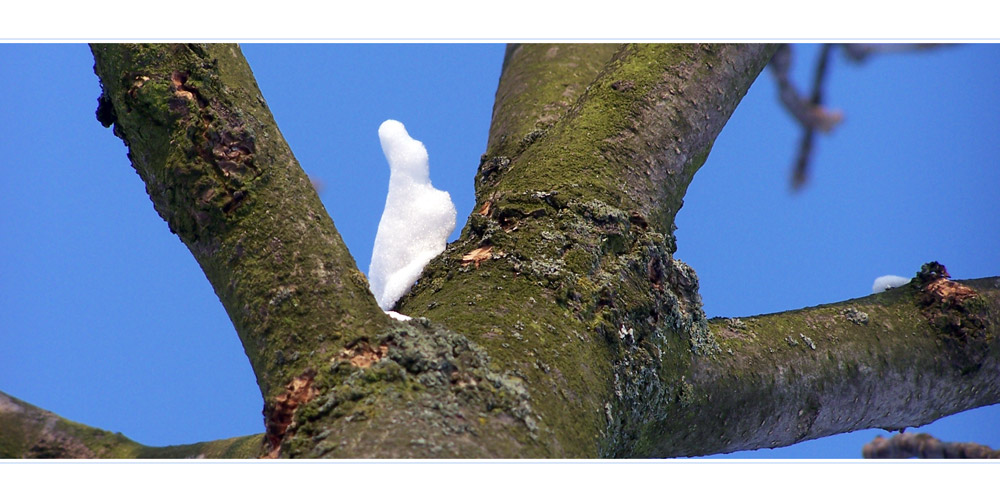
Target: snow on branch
[[885, 282], [416, 222]]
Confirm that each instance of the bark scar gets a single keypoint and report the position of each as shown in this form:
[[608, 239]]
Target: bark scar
[[957, 313], [363, 355], [279, 412], [477, 256], [184, 91]]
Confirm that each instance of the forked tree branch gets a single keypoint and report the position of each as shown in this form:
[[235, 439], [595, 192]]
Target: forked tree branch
[[562, 325]]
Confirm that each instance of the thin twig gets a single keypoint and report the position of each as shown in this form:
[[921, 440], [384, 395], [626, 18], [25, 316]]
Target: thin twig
[[821, 119], [809, 113]]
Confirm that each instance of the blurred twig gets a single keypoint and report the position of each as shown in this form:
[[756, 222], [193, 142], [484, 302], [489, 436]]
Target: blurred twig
[[861, 52], [810, 112]]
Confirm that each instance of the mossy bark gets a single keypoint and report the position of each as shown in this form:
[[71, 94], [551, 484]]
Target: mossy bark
[[219, 172], [581, 296], [27, 431], [562, 324], [872, 362]]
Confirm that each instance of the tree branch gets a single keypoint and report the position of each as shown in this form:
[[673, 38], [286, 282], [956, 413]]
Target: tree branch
[[219, 172], [27, 431], [909, 445], [861, 52], [809, 112], [890, 360], [563, 327], [578, 230]]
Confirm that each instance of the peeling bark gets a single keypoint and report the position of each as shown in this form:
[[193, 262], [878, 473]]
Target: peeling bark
[[278, 413]]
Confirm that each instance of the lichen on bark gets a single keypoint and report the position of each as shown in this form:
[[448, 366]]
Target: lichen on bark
[[577, 234]]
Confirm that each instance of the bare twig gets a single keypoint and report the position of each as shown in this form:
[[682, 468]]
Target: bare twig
[[824, 120], [810, 113]]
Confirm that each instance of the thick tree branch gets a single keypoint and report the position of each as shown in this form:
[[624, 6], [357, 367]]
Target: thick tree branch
[[27, 431], [890, 360], [579, 296], [219, 172], [562, 325]]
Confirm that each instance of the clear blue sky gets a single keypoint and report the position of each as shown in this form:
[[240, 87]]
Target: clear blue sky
[[106, 319]]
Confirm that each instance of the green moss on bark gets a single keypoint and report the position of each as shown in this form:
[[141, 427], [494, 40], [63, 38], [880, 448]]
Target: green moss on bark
[[814, 372], [29, 432], [580, 238], [218, 172]]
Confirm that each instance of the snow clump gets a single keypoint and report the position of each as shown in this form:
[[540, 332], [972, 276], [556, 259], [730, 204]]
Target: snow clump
[[416, 222], [888, 281], [397, 316]]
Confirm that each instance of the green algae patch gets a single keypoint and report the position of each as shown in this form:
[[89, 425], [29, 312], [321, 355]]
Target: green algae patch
[[548, 80]]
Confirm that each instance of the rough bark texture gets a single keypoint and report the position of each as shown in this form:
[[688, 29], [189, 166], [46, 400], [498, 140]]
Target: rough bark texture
[[908, 445], [559, 324], [877, 361], [218, 171], [29, 432], [577, 222]]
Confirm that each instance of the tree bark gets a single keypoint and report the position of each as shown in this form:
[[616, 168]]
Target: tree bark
[[27, 431], [558, 324], [908, 445]]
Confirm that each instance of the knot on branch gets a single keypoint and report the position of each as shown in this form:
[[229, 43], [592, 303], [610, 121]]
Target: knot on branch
[[653, 314], [183, 91]]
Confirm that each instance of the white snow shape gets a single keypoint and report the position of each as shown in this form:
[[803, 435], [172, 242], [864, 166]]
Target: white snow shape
[[416, 222], [888, 281]]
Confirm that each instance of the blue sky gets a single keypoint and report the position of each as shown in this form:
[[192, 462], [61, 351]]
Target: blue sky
[[106, 319]]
